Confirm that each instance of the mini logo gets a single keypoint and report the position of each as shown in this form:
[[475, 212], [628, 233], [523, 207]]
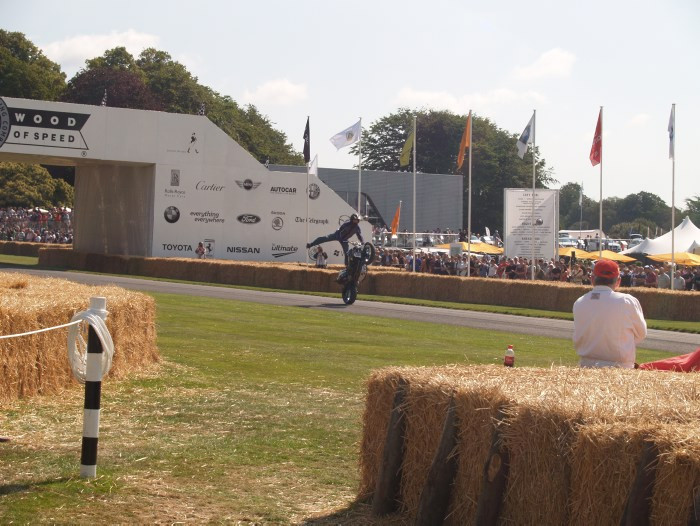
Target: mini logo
[[277, 223], [248, 219], [314, 191], [4, 122], [247, 184], [172, 214], [174, 177]]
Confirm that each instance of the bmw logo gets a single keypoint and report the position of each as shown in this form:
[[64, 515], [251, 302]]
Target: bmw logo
[[172, 214]]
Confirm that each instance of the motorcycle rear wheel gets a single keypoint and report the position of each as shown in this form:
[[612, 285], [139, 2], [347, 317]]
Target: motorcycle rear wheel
[[349, 293]]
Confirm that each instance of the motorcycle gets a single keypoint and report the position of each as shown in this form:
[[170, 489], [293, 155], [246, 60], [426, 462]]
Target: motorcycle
[[358, 258]]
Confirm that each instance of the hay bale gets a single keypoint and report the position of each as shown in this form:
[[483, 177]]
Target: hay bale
[[561, 426], [37, 364]]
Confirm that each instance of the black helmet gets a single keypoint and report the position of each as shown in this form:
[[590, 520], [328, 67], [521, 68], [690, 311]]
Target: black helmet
[[353, 217]]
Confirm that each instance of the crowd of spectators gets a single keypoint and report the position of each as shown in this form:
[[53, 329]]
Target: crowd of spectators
[[37, 225], [501, 267]]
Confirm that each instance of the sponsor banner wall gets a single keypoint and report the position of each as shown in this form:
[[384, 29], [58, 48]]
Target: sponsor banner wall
[[518, 219], [207, 187]]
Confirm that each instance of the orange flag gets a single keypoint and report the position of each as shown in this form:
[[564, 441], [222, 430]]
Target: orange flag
[[464, 143], [395, 222]]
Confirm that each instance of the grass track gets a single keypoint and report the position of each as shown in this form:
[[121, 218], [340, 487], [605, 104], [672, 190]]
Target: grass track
[[253, 418]]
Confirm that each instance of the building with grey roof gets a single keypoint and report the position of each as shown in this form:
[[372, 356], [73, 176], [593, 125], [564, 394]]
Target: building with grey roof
[[438, 196]]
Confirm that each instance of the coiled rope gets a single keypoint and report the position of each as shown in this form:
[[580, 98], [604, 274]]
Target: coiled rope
[[77, 346]]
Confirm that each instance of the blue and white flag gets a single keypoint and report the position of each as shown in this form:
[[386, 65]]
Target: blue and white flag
[[672, 133], [527, 137]]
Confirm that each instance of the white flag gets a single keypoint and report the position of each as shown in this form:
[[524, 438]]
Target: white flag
[[313, 166], [348, 136], [527, 137], [672, 133]]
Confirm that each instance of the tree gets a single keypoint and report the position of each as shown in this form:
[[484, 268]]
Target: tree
[[693, 209], [125, 89], [25, 72], [30, 185], [495, 164], [626, 229]]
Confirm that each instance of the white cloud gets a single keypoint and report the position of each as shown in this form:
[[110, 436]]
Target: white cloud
[[555, 63], [72, 52], [442, 100], [639, 120], [280, 92]]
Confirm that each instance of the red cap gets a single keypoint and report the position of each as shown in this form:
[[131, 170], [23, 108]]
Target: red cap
[[604, 268]]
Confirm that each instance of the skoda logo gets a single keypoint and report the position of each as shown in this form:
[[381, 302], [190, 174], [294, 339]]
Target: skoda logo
[[172, 214], [277, 223], [248, 219], [314, 191]]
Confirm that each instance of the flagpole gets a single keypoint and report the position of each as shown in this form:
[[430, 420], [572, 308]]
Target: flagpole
[[600, 207], [414, 193], [580, 206], [673, 199], [532, 220], [359, 174], [308, 262], [469, 201]]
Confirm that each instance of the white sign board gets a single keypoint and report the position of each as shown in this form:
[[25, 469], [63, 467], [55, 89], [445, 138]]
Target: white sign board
[[206, 187], [520, 224]]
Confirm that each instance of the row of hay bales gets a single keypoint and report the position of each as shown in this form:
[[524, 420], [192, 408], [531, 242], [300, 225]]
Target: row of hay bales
[[573, 439], [656, 303], [25, 248], [38, 363]]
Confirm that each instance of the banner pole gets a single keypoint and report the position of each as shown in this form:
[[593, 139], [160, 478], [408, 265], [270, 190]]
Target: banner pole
[[469, 202], [359, 174], [600, 208], [673, 199], [532, 218], [414, 193]]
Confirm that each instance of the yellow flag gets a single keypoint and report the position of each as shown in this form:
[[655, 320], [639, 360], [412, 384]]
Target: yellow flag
[[406, 152], [464, 143]]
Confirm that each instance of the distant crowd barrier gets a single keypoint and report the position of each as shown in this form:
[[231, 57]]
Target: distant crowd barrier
[[25, 248], [556, 296]]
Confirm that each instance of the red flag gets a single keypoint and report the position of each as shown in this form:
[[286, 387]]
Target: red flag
[[464, 143], [395, 222], [597, 148]]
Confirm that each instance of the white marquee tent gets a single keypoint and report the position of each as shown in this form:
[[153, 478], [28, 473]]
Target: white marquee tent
[[687, 239]]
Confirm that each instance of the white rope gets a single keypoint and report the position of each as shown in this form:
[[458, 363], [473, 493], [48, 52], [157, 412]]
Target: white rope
[[77, 346], [40, 330]]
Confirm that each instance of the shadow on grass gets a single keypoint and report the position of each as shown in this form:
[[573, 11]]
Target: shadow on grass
[[9, 489], [357, 514]]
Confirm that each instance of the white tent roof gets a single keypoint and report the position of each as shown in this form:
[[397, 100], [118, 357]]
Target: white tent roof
[[686, 236]]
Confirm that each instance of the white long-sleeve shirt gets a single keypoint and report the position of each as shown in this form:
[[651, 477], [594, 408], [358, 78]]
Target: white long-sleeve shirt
[[607, 327]]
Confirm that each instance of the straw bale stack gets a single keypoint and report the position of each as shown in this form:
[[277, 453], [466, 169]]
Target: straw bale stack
[[573, 436], [385, 281], [38, 364]]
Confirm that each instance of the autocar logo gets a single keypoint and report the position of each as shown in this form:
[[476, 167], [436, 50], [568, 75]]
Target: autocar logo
[[277, 223], [248, 219], [247, 184], [314, 191], [172, 214]]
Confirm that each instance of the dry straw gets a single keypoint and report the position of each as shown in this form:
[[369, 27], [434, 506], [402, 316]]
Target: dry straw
[[574, 437], [657, 304], [38, 364]]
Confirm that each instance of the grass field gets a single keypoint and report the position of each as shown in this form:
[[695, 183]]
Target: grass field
[[252, 418]]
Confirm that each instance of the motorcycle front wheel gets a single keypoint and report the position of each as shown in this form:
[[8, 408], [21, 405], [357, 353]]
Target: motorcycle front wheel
[[349, 293]]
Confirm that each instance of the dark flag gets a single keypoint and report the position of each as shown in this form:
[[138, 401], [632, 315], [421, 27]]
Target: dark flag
[[202, 109], [307, 142]]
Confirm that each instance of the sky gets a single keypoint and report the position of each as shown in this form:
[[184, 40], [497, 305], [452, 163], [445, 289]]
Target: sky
[[336, 62]]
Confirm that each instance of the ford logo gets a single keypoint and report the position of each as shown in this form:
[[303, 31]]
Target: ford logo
[[248, 219]]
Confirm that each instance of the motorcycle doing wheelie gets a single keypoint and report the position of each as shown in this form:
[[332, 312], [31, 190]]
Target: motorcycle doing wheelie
[[358, 258]]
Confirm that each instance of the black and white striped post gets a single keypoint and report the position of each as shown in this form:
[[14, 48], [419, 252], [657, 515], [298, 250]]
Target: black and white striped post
[[93, 388]]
